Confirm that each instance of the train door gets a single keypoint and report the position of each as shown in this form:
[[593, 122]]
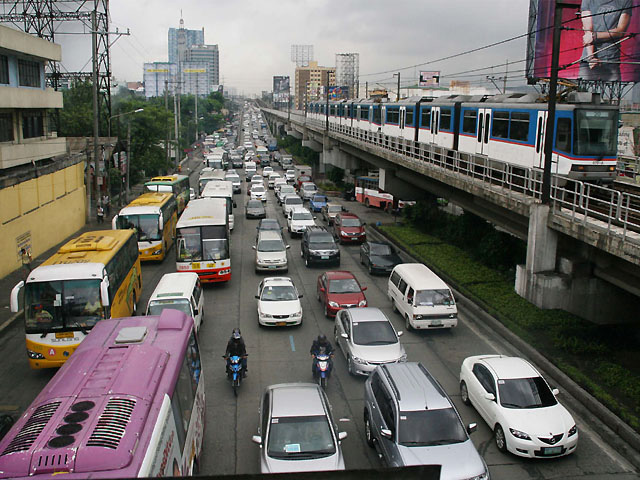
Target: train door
[[434, 128], [401, 121], [484, 129], [541, 127]]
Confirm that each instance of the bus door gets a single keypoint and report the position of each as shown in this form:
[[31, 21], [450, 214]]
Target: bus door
[[401, 121], [484, 129], [541, 127], [434, 127]]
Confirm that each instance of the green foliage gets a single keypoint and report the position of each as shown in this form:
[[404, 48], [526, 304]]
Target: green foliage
[[76, 118], [336, 175], [301, 154], [575, 345]]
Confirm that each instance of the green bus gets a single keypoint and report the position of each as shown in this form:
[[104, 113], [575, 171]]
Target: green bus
[[176, 184]]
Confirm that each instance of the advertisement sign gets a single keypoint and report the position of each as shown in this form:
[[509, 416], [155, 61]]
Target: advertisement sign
[[429, 79], [599, 40], [281, 87], [338, 93]]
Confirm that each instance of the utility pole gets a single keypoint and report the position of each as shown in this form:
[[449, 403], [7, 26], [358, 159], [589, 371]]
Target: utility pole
[[326, 91], [506, 74], [175, 123], [126, 191], [166, 132], [366, 89], [289, 103], [398, 94], [196, 108], [96, 132]]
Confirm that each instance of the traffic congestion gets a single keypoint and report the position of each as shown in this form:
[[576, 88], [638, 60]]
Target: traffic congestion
[[271, 312]]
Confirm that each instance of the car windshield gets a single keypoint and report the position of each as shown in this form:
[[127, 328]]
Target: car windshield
[[300, 437], [351, 222], [156, 307], [293, 200], [270, 246], [344, 285], [301, 216], [432, 298], [320, 199], [309, 186], [380, 249], [324, 240], [278, 293], [335, 208], [287, 189], [233, 178], [254, 204], [426, 428], [146, 226], [257, 189], [291, 172], [525, 393], [270, 225], [373, 333]]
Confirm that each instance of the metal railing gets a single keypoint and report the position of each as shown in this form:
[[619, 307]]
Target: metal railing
[[609, 210]]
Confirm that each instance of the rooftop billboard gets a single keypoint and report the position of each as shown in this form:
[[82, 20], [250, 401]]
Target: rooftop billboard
[[598, 40]]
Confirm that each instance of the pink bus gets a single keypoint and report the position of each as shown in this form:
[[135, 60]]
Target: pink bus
[[128, 403]]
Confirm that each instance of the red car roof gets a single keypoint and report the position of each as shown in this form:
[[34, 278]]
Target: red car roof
[[339, 274]]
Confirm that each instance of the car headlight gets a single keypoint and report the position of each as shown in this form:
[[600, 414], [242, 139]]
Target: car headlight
[[333, 304], [157, 252], [265, 315], [35, 355], [482, 476], [297, 314], [572, 431], [403, 357], [519, 434], [362, 303], [342, 232], [452, 315]]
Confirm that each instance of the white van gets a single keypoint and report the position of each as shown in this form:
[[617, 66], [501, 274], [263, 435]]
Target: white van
[[421, 297], [179, 291]]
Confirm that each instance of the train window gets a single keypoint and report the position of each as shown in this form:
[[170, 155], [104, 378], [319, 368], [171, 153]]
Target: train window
[[563, 135], [425, 118], [519, 126], [445, 119], [500, 127], [393, 115], [377, 117], [597, 132], [469, 121], [409, 120], [364, 113]]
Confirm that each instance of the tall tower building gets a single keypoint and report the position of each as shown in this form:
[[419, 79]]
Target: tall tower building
[[208, 54], [311, 82], [180, 39], [348, 72], [302, 55]]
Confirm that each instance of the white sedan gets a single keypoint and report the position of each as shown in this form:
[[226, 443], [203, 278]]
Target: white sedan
[[266, 171], [298, 220], [518, 404], [258, 192], [278, 303]]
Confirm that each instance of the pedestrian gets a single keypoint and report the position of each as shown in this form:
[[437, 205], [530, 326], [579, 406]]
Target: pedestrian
[[106, 201], [100, 214], [25, 256]]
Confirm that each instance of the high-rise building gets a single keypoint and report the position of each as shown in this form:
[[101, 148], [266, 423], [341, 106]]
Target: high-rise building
[[311, 82], [348, 72], [156, 76], [208, 54], [180, 39], [195, 79], [302, 55]]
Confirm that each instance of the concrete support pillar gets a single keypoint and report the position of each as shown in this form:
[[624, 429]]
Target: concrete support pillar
[[332, 155], [542, 242]]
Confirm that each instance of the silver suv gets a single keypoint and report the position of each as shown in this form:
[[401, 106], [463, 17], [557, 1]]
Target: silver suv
[[410, 420]]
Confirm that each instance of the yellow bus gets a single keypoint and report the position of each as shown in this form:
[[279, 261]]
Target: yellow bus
[[94, 276], [153, 216], [176, 184]]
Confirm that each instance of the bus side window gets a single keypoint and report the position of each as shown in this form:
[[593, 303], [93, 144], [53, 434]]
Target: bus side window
[[182, 402]]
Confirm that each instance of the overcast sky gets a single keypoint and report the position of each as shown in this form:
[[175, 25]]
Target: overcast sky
[[255, 36]]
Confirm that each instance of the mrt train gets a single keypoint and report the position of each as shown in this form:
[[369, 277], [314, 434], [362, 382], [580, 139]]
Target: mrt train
[[508, 128]]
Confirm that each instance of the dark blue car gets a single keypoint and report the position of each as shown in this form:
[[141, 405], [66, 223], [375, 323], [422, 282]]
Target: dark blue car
[[317, 202]]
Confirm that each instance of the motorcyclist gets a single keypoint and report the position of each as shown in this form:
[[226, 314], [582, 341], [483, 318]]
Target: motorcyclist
[[321, 344], [236, 347]]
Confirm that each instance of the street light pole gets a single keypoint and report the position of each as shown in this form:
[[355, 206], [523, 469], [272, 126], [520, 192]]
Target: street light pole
[[137, 110], [398, 94]]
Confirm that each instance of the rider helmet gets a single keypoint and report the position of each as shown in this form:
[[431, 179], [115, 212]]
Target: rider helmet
[[236, 335]]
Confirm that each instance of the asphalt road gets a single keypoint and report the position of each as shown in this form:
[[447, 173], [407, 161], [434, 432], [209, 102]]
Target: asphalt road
[[282, 355]]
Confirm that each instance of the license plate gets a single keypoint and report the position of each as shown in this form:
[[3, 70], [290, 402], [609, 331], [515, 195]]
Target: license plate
[[325, 257], [552, 450], [211, 265], [436, 323], [281, 324], [64, 335], [196, 265], [272, 267]]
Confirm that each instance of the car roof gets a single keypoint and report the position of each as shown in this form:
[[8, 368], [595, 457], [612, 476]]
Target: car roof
[[368, 314], [414, 387], [510, 367], [296, 400], [269, 220], [299, 208], [269, 235], [277, 281], [349, 215], [339, 274]]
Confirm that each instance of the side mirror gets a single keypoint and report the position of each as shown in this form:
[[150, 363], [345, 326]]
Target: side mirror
[[555, 392], [114, 222], [314, 217], [300, 295], [342, 435], [160, 222], [364, 288], [490, 396], [472, 427], [364, 223], [254, 247], [257, 296], [322, 289], [104, 291], [400, 333], [386, 433], [235, 205], [344, 335], [15, 293], [195, 312], [257, 439], [287, 247]]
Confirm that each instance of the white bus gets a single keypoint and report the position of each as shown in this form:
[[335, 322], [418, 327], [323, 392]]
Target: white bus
[[202, 244], [222, 189], [208, 174]]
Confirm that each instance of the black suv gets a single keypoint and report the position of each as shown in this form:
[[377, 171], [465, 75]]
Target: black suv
[[319, 247]]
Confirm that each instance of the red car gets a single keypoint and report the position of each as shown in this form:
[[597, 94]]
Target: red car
[[338, 290], [301, 179], [347, 228]]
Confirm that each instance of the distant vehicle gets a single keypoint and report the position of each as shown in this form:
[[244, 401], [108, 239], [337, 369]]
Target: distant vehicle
[[272, 144], [298, 220], [302, 179], [278, 302], [271, 252], [348, 228], [283, 191], [329, 212], [318, 247], [317, 202], [268, 224], [290, 175], [272, 179], [297, 432], [176, 184], [339, 289], [258, 192], [308, 190], [518, 404], [222, 189], [379, 257], [290, 201], [234, 178], [255, 209], [178, 291]]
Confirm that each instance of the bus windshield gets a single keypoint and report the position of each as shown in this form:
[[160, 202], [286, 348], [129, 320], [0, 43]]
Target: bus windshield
[[196, 244], [62, 305], [160, 188], [597, 132], [146, 226], [156, 307]]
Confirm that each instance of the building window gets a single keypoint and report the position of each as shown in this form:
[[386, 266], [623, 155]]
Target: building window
[[28, 73], [32, 124], [6, 127], [4, 69]]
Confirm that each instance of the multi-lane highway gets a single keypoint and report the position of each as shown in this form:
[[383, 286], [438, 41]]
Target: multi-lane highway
[[282, 355]]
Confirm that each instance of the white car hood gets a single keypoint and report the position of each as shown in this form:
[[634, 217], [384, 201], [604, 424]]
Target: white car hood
[[459, 460], [279, 308], [271, 255], [274, 465], [299, 223], [377, 353], [539, 422]]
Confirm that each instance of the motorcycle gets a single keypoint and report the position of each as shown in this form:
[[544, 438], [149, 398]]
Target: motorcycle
[[323, 367], [234, 372]]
